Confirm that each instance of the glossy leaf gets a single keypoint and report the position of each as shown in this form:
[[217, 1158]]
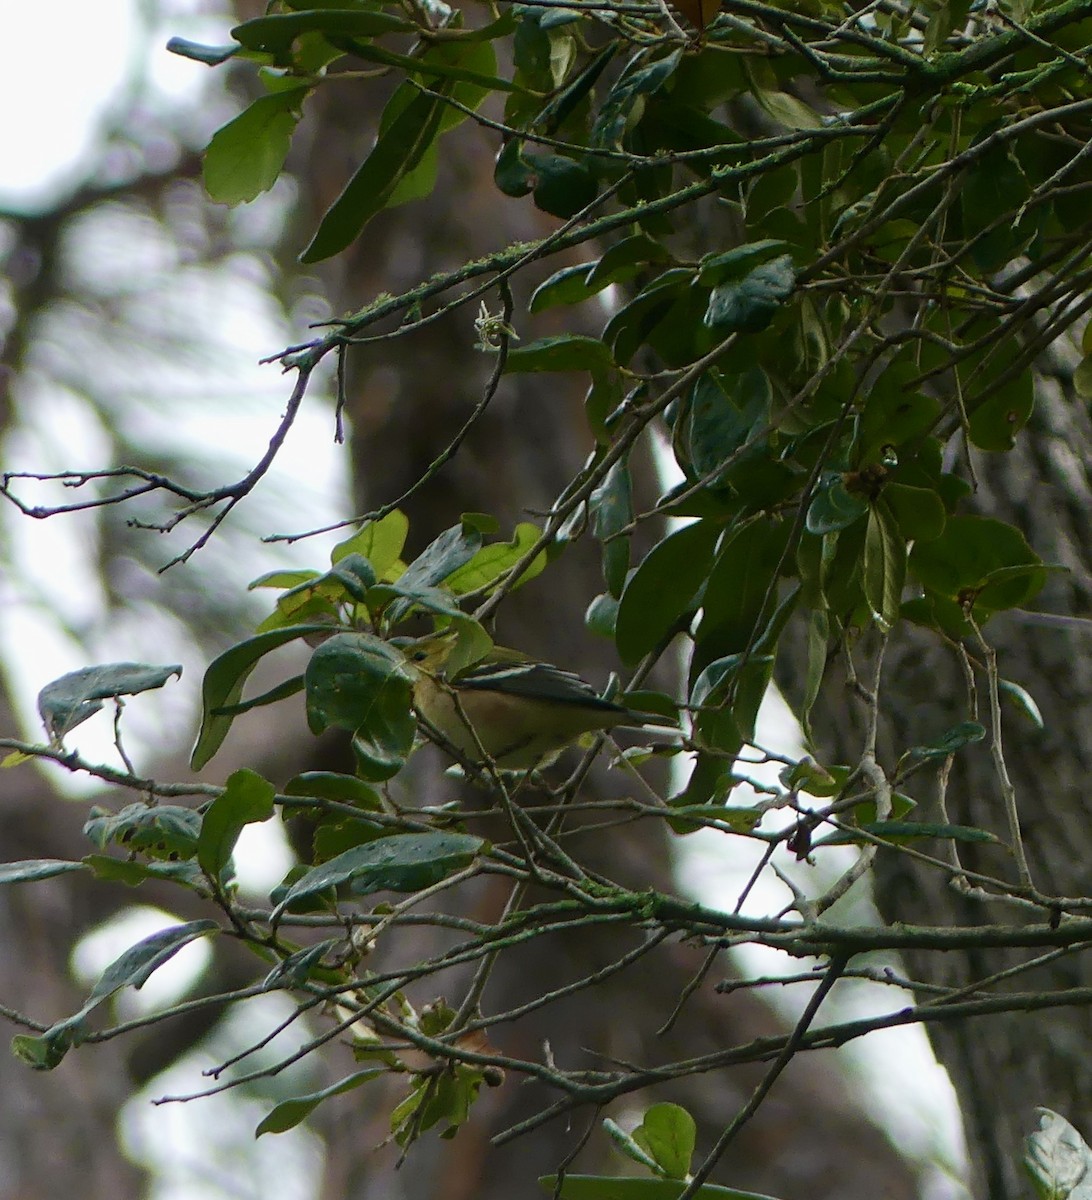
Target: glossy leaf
[[750, 305], [358, 682], [225, 679], [247, 798], [664, 587], [70, 700], [404, 862]]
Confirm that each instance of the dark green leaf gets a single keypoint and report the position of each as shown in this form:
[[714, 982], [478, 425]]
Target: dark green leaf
[[565, 352], [246, 799], [562, 186], [165, 830], [965, 734], [624, 103], [979, 559], [358, 682], [611, 506], [224, 680], [749, 305], [622, 260], [440, 559], [907, 831], [31, 869], [245, 157], [718, 268], [275, 34], [133, 873], [211, 56], [70, 700], [919, 512], [741, 589], [131, 969], [663, 588], [884, 565], [404, 862], [329, 785], [567, 286], [289, 1113], [397, 151]]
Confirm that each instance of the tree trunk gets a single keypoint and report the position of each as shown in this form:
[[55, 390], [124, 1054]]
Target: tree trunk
[[1003, 1066]]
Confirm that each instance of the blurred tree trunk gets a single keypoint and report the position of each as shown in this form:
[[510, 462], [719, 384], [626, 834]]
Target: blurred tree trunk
[[1004, 1066]]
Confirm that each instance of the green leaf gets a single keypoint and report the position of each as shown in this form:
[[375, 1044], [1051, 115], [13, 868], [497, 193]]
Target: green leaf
[[624, 103], [224, 680], [70, 700], [290, 1113], [718, 425], [1023, 700], [833, 508], [441, 558], [133, 873], [919, 512], [358, 682], [1082, 375], [979, 559], [275, 34], [32, 869], [245, 157], [602, 615], [663, 588], [562, 185], [1000, 411], [742, 585], [211, 56], [164, 830], [668, 1133], [622, 260], [964, 734], [718, 268], [491, 562], [606, 1187], [131, 969], [884, 566], [329, 785], [611, 506], [397, 151], [380, 542], [403, 862], [906, 831], [246, 799], [630, 1147], [564, 352], [750, 305]]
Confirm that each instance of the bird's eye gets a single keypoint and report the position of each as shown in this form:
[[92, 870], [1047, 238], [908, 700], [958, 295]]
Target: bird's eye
[[419, 655]]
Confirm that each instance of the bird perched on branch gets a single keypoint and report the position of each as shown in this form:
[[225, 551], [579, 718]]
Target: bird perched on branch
[[520, 712]]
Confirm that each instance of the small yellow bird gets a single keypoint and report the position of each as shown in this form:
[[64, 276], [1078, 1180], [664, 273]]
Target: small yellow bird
[[522, 713]]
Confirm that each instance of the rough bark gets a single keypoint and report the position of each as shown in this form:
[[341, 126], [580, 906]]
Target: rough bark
[[1004, 1066]]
